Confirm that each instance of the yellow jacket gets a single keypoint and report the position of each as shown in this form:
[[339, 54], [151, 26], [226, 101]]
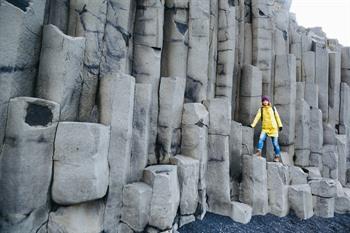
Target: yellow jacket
[[271, 120]]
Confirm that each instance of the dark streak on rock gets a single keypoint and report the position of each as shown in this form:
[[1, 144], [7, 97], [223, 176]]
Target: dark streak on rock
[[11, 69]]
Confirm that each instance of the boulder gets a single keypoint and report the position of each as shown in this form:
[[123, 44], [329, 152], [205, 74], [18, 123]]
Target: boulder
[[342, 203], [184, 220], [300, 200], [188, 173], [277, 186], [254, 184], [324, 207], [136, 205], [80, 163], [297, 175], [238, 212], [165, 196], [323, 187], [313, 173], [90, 216]]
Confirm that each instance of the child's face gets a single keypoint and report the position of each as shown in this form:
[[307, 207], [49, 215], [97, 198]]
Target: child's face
[[265, 102]]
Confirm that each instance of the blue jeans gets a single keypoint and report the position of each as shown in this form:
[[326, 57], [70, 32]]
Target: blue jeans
[[275, 144]]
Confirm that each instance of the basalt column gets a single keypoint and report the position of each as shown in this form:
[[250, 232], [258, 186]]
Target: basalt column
[[26, 164], [20, 42], [62, 85], [148, 43], [117, 105], [198, 42], [262, 41], [87, 18]]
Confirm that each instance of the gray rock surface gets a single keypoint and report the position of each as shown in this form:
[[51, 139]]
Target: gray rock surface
[[117, 105], [300, 200], [342, 150], [136, 205], [198, 41], [250, 93], [254, 184], [188, 174], [62, 83], [225, 49], [285, 96], [90, 217], [323, 187], [26, 164], [342, 203], [140, 130], [165, 196], [324, 207], [174, 62], [171, 100], [330, 162], [146, 56], [20, 43], [218, 169], [220, 116], [277, 186], [88, 19], [194, 143], [236, 150], [80, 163], [117, 37], [322, 79], [297, 175]]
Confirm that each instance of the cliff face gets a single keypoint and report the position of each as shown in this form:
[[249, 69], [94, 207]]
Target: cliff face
[[130, 116]]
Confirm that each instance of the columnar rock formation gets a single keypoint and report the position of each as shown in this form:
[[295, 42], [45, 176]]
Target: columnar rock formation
[[132, 116]]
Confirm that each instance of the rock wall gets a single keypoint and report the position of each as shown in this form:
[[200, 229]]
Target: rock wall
[[131, 116]]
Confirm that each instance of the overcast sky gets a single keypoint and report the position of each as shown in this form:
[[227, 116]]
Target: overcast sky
[[332, 15]]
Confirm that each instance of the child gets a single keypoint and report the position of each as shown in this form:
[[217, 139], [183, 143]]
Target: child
[[271, 124]]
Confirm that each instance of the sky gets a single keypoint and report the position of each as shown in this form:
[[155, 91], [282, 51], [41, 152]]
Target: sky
[[332, 15]]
